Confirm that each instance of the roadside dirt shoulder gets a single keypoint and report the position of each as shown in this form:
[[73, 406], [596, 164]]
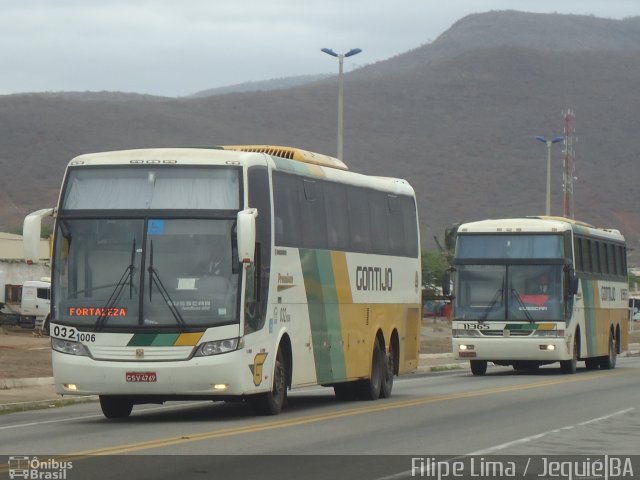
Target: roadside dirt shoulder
[[23, 355]]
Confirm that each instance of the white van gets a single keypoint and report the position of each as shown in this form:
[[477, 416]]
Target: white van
[[36, 302]]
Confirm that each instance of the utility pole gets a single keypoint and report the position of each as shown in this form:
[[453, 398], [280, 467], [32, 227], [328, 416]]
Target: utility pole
[[568, 175]]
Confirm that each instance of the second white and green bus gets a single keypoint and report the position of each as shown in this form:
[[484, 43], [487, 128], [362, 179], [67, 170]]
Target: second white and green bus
[[230, 273], [501, 314]]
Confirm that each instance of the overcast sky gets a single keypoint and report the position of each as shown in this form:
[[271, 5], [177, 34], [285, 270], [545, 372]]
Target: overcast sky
[[175, 48]]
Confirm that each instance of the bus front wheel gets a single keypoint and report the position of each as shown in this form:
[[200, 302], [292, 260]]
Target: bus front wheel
[[478, 367], [570, 366], [271, 403], [114, 406]]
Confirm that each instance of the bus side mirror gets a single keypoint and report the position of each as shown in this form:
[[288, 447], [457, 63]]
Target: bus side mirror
[[247, 235], [31, 229]]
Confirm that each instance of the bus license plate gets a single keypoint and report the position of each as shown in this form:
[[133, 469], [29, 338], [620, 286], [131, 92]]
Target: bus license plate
[[141, 376]]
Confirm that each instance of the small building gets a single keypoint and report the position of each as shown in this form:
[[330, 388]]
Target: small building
[[12, 264]]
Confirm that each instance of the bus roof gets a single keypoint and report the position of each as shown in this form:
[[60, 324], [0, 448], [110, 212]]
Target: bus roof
[[289, 159], [292, 153], [540, 224]]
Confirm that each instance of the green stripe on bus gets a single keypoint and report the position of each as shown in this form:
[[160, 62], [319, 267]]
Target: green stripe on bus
[[165, 339], [141, 340], [521, 326], [324, 316], [153, 339], [590, 308]]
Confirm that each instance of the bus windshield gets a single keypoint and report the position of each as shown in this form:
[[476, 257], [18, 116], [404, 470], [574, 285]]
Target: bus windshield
[[509, 292], [510, 246], [145, 273]]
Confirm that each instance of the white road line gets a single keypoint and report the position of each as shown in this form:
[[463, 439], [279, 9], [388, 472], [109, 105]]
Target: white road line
[[502, 446], [427, 472]]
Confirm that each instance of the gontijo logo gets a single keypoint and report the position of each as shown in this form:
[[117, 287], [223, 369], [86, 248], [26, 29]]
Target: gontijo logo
[[376, 279]]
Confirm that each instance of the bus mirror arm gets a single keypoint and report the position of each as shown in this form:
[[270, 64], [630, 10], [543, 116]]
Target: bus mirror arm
[[446, 281], [247, 235], [571, 285]]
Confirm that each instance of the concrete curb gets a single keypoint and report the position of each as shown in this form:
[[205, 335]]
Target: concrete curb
[[7, 383]]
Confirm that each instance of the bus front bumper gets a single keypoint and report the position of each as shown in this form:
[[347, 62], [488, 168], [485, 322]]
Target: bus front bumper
[[542, 349], [214, 376]]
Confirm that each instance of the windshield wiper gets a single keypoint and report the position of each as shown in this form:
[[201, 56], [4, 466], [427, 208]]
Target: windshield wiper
[[127, 276], [522, 305], [495, 298], [154, 278]]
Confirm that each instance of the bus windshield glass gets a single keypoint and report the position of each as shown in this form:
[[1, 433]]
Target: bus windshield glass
[[145, 187], [509, 292], [145, 273], [509, 246]]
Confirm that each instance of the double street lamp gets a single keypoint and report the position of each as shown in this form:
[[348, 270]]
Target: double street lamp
[[549, 143], [341, 57]]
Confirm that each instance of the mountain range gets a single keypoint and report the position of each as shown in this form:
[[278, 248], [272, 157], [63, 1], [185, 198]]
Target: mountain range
[[456, 117]]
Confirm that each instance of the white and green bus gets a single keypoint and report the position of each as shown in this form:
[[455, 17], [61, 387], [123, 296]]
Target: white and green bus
[[538, 290], [230, 273]]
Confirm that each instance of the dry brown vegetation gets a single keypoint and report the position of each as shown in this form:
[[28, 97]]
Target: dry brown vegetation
[[457, 118]]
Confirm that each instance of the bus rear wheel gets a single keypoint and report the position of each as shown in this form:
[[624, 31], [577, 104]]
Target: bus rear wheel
[[608, 362], [369, 389], [570, 366], [388, 370], [114, 406], [271, 403], [478, 367]]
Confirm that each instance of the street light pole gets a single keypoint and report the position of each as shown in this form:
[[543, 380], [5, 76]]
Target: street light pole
[[341, 57], [549, 143]]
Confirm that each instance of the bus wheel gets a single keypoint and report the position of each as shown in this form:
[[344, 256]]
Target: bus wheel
[[478, 367], [388, 370], [569, 366], [608, 362], [345, 392], [271, 403], [369, 389], [114, 406]]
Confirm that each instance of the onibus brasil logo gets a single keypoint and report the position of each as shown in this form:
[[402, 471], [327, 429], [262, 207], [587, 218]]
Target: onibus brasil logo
[[33, 468]]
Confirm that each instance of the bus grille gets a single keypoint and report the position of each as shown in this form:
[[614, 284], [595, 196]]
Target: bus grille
[[512, 333], [141, 354]]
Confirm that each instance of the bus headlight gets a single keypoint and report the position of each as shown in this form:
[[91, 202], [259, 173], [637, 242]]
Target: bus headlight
[[217, 347], [68, 347]]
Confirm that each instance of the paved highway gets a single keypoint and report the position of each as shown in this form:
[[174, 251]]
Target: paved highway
[[448, 414]]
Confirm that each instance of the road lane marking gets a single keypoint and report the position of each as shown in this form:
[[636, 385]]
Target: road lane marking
[[292, 422], [519, 441], [495, 448]]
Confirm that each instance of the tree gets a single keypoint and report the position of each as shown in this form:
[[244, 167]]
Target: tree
[[434, 264]]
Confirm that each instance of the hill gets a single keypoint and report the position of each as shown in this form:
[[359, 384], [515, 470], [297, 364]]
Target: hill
[[456, 117]]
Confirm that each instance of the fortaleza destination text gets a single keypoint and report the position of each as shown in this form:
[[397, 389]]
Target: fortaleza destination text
[[605, 467]]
